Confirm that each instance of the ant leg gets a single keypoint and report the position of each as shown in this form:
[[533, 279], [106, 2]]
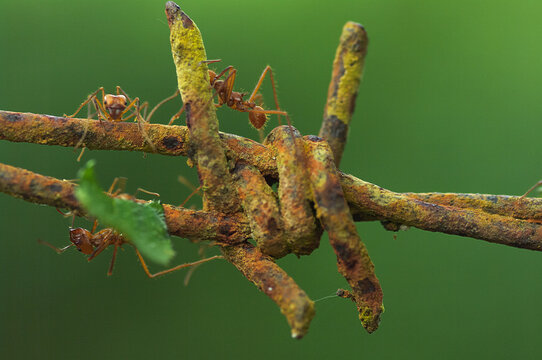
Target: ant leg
[[228, 68], [538, 184], [107, 235], [146, 192], [140, 121], [228, 86], [209, 61], [190, 272], [260, 81], [94, 226], [133, 103], [113, 258], [134, 113], [258, 121], [58, 250], [146, 269], [121, 181], [162, 103], [177, 115], [89, 98], [81, 153], [196, 191], [188, 184], [80, 142]]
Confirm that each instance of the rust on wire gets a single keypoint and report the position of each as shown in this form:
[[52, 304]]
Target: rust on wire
[[193, 79], [343, 88], [262, 209], [237, 174], [365, 199], [260, 269], [190, 224], [302, 231], [353, 259]]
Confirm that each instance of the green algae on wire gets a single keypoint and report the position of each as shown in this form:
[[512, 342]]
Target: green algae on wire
[[343, 88], [193, 80], [353, 259], [301, 228]]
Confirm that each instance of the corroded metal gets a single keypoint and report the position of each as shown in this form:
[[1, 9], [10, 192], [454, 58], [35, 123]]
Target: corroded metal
[[353, 259], [402, 209], [367, 201], [190, 224], [343, 88], [262, 209], [260, 269], [517, 207], [193, 79], [302, 231], [235, 171]]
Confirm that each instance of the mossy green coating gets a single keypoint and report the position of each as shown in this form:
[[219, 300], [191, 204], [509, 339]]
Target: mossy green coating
[[517, 207], [343, 88], [353, 259], [262, 210], [471, 219], [193, 80], [475, 223], [190, 224], [302, 231]]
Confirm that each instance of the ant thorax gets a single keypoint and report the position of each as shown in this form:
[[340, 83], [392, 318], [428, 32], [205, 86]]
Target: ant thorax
[[115, 105]]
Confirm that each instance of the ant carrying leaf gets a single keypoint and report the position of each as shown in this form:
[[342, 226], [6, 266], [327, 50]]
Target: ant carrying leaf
[[93, 243]]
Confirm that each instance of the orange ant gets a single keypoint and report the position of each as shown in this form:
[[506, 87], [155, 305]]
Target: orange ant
[[114, 107], [93, 243], [233, 99]]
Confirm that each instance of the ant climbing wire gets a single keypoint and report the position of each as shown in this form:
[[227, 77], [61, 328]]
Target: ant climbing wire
[[93, 243], [113, 107], [234, 99]]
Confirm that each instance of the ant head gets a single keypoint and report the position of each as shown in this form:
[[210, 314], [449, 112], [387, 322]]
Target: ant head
[[115, 105], [81, 239]]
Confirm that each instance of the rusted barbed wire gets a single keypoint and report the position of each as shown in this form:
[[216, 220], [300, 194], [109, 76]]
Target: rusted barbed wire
[[237, 172], [195, 225], [364, 198], [343, 88]]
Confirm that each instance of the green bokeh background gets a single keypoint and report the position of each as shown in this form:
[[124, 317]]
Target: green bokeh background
[[450, 101]]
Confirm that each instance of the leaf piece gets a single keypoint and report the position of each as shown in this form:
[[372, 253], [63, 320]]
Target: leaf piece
[[142, 224]]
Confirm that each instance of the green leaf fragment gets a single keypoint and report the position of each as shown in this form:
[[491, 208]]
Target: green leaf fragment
[[143, 225]]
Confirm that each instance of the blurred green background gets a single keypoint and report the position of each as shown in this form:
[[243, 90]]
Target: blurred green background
[[450, 101]]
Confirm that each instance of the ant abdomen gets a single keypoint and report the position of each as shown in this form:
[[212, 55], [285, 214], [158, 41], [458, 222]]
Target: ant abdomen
[[257, 119]]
